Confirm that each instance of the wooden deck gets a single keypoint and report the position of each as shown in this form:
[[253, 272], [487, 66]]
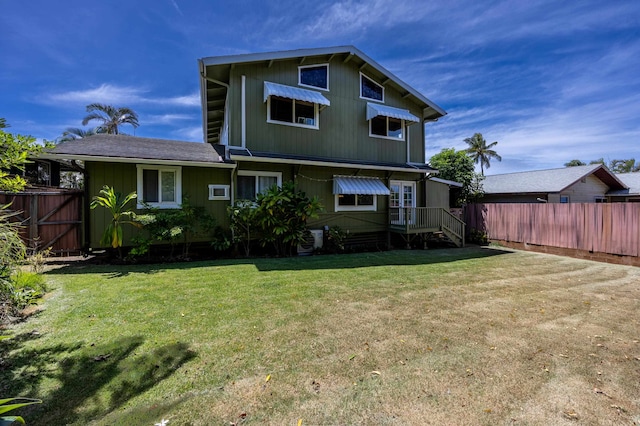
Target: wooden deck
[[410, 221]]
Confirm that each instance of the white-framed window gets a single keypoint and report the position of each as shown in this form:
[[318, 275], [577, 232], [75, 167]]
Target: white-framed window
[[292, 112], [219, 192], [600, 199], [387, 128], [371, 90], [250, 183], [314, 76], [356, 202], [159, 186], [564, 199]]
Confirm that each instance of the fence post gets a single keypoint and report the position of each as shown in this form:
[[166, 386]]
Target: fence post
[[33, 222]]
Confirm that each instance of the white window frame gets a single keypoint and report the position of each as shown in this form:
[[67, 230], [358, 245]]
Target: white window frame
[[374, 82], [301, 67], [257, 174], [177, 189], [212, 189], [356, 208], [316, 113], [391, 138]]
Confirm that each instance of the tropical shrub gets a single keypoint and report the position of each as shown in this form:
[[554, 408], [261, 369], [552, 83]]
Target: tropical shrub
[[243, 223], [10, 404], [335, 240], [282, 215], [115, 204]]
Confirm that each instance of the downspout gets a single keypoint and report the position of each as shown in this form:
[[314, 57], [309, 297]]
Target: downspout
[[243, 113], [408, 146]]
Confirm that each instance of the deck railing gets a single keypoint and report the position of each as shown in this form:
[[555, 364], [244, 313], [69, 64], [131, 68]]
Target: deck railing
[[414, 220]]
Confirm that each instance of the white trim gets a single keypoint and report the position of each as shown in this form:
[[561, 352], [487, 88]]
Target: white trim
[[316, 113], [212, 195], [402, 184], [235, 157], [402, 123], [177, 188], [355, 208], [374, 82], [326, 65]]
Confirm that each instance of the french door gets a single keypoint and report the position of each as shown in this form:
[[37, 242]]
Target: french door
[[403, 194]]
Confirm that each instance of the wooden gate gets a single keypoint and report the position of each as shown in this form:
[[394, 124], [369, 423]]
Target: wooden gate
[[50, 218]]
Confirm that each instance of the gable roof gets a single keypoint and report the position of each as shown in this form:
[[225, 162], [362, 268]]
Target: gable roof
[[632, 180], [214, 81], [125, 148], [547, 181]]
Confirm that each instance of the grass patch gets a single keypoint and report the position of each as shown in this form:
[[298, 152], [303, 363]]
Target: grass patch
[[479, 336]]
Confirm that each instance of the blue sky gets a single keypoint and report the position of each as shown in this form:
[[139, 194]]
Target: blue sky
[[549, 80]]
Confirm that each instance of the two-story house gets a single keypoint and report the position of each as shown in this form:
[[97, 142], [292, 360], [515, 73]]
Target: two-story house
[[332, 120]]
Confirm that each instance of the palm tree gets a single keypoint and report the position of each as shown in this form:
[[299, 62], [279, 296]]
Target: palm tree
[[110, 117], [74, 133], [480, 152]]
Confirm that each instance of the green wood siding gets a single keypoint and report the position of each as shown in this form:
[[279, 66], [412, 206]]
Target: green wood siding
[[123, 177], [344, 130], [437, 194]]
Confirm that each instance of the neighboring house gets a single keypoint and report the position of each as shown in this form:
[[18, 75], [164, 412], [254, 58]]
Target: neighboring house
[[629, 194], [581, 184], [332, 120]]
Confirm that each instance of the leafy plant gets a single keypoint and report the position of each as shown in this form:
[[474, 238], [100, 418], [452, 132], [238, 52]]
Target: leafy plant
[[335, 240], [5, 407], [282, 215], [38, 259], [242, 215], [115, 204]]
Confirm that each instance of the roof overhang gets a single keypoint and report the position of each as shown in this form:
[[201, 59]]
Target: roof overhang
[[245, 155], [133, 160]]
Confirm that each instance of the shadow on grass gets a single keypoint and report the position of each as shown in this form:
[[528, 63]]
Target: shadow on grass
[[332, 261], [80, 382]]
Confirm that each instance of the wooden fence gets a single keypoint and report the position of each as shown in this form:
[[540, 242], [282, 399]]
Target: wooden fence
[[50, 218], [603, 228]]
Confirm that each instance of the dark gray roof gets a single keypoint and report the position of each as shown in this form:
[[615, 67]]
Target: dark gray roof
[[547, 181], [632, 180], [301, 159], [105, 146]]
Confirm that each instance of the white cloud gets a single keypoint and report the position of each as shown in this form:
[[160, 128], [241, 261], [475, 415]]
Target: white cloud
[[168, 119], [118, 95], [193, 134]]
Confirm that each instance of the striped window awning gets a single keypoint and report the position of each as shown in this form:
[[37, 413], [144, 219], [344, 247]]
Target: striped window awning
[[374, 110], [289, 92], [359, 185]]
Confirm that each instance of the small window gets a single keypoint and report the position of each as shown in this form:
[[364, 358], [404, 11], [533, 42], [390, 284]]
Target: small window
[[600, 199], [250, 183], [292, 111], [159, 186], [316, 76], [386, 127], [355, 202], [369, 89], [218, 192], [564, 199]]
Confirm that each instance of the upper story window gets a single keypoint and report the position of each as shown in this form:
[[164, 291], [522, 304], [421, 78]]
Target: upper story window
[[293, 106], [316, 76], [369, 89], [159, 186], [387, 127], [389, 122]]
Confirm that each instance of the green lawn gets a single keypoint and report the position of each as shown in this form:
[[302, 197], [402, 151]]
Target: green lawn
[[473, 336]]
